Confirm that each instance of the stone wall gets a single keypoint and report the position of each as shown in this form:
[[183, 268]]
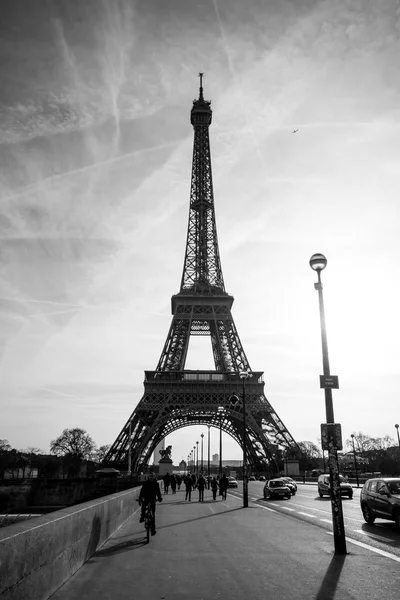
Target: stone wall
[[20, 495], [38, 556]]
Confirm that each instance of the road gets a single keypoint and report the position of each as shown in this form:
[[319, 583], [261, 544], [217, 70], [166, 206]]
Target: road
[[306, 505], [218, 550]]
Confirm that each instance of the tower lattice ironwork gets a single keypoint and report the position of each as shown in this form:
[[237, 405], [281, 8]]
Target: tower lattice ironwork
[[174, 397]]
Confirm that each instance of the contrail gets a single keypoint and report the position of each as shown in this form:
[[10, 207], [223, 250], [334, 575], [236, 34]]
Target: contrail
[[70, 307], [23, 190], [233, 73]]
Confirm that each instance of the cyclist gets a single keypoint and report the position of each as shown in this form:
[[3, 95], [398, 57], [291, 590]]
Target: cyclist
[[150, 492]]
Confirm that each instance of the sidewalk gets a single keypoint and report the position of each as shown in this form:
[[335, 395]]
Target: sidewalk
[[218, 550]]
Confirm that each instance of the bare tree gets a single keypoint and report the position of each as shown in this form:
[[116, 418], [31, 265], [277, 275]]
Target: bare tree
[[76, 442], [310, 456], [365, 443], [5, 446], [100, 453]]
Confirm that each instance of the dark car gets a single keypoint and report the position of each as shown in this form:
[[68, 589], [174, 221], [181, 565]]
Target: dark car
[[292, 485], [261, 478], [232, 483], [380, 498], [276, 488], [324, 488]]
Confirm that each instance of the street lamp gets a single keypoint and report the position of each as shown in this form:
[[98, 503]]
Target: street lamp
[[194, 459], [355, 459], [243, 376], [221, 411], [318, 263], [208, 458], [398, 437], [201, 466], [197, 460]]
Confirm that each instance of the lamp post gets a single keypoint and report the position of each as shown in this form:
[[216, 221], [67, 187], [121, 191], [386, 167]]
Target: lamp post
[[201, 464], [208, 457], [318, 263], [194, 459], [355, 459], [197, 459], [243, 376], [220, 412], [398, 437]]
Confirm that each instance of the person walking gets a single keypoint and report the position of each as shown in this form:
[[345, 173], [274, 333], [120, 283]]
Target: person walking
[[167, 481], [188, 486], [178, 481], [223, 485], [173, 483], [194, 480], [214, 487], [201, 484]]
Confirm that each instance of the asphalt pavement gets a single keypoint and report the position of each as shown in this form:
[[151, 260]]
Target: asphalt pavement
[[219, 550]]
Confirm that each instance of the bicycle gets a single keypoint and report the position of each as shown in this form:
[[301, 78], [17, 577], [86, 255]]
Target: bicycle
[[149, 519]]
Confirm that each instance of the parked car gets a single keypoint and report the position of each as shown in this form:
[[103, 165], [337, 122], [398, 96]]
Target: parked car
[[276, 488], [252, 478], [261, 478], [232, 483], [380, 498], [292, 485], [324, 486]]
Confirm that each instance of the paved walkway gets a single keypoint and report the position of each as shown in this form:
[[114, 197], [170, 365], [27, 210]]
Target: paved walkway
[[218, 550]]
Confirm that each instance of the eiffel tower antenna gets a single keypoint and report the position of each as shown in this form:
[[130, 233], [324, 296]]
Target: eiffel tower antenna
[[175, 397], [201, 86]]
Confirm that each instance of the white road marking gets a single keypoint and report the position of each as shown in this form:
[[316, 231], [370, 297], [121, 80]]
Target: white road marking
[[360, 520], [305, 514], [375, 536], [381, 552], [326, 521], [288, 508]]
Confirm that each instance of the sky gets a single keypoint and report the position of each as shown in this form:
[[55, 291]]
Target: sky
[[95, 166]]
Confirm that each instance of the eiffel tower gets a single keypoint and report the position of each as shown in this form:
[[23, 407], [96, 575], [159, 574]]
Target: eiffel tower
[[175, 397]]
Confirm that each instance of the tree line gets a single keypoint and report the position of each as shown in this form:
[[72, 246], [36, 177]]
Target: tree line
[[379, 454], [67, 453], [73, 446]]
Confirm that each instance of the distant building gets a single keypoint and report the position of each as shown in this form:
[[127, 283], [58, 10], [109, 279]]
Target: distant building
[[215, 458]]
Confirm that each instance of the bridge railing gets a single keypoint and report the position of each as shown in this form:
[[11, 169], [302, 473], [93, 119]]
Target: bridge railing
[[39, 556]]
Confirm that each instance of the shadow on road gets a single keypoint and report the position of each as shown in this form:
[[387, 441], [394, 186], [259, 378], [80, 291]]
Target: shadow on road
[[329, 584], [130, 544], [133, 544]]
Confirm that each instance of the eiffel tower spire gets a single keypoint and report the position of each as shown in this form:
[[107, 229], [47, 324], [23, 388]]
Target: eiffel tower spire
[[202, 306], [175, 397], [202, 267]]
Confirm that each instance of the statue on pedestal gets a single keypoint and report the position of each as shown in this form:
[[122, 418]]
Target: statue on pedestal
[[165, 464], [166, 454]]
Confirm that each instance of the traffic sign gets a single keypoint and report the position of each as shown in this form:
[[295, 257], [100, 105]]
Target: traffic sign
[[331, 436], [329, 381]]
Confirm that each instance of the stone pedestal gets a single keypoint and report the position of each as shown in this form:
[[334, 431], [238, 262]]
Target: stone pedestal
[[164, 467]]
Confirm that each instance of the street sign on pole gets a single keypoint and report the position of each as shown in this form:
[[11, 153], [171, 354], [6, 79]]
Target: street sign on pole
[[329, 381], [331, 433]]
